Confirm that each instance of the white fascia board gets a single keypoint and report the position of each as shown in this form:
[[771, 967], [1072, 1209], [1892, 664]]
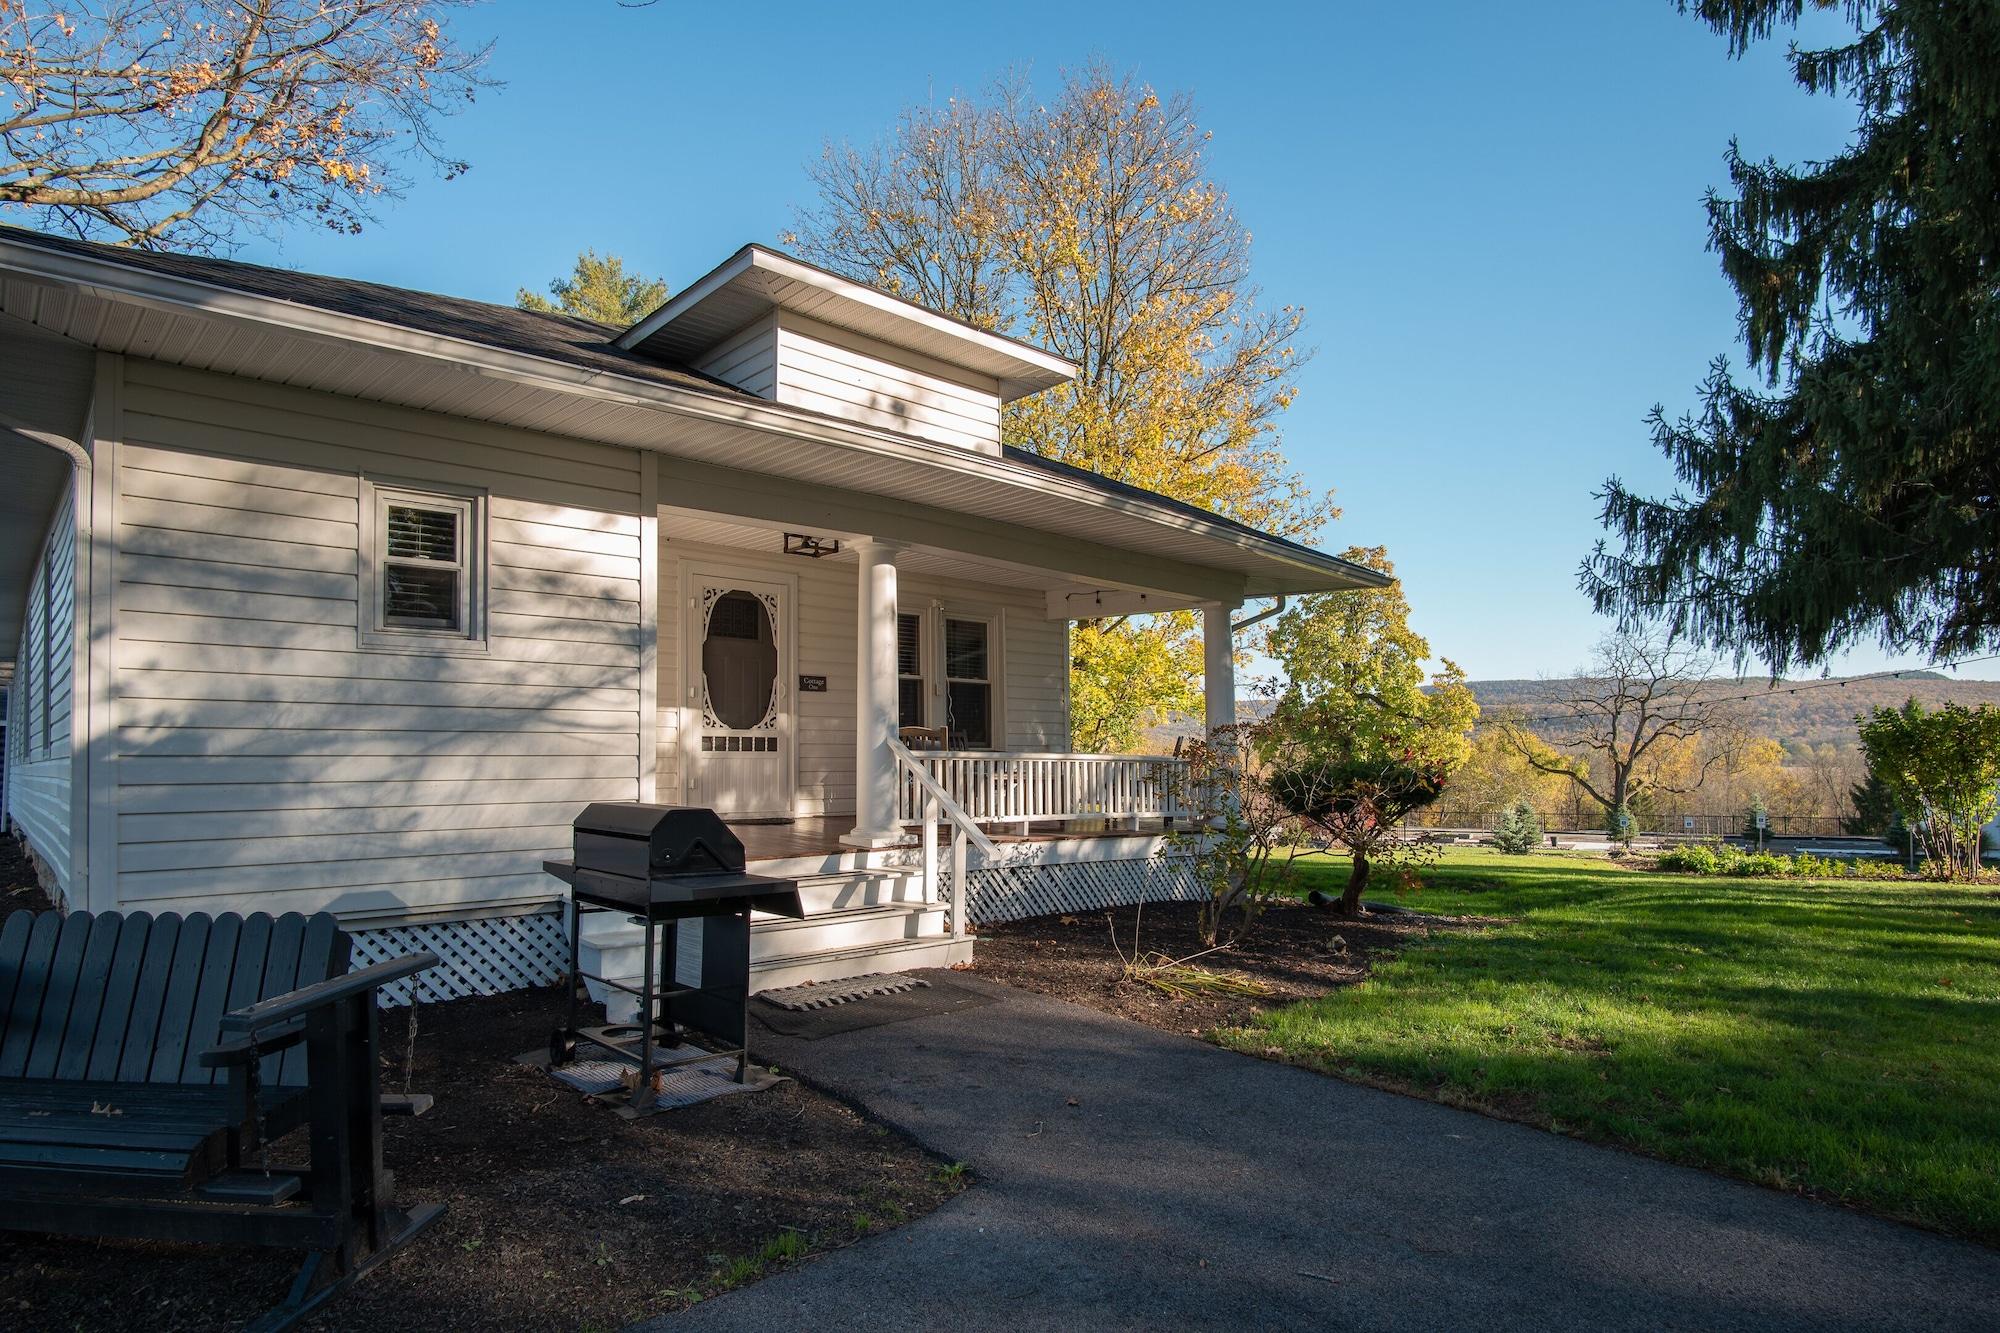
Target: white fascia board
[[176, 295], [1021, 367], [707, 285]]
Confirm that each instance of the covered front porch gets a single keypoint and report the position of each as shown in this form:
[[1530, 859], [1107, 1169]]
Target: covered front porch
[[844, 682], [884, 719]]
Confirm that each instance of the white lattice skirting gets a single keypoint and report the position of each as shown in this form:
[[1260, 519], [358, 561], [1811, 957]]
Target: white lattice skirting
[[482, 957], [1008, 893]]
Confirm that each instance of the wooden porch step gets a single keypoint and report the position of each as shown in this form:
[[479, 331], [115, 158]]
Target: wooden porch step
[[838, 964]]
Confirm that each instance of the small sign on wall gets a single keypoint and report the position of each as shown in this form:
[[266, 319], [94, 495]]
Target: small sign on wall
[[812, 684]]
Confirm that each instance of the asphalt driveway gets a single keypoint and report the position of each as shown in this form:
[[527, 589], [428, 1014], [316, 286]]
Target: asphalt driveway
[[1132, 1179]]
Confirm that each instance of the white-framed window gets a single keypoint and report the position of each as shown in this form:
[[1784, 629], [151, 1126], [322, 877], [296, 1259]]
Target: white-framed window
[[423, 567], [912, 693], [971, 651]]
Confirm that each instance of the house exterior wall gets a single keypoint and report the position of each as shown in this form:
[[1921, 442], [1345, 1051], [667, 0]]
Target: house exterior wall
[[801, 362], [264, 759], [749, 359], [1033, 652], [40, 701]]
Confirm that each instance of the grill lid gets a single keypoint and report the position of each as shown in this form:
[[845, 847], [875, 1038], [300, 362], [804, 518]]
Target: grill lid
[[654, 841]]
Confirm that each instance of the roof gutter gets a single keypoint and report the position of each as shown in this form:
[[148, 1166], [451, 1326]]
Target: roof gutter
[[117, 282], [1273, 609]]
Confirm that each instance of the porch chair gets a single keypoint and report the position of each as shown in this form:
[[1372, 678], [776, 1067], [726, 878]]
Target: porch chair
[[147, 1063], [924, 738]]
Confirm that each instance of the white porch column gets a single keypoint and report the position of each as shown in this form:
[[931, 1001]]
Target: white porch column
[[1218, 665], [875, 697]]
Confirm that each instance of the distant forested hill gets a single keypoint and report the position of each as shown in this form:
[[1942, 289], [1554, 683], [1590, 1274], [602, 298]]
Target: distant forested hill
[[1796, 712]]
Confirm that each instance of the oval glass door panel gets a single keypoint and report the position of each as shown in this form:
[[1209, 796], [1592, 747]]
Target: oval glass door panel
[[739, 662]]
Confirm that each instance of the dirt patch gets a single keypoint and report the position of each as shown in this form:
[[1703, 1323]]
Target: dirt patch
[[1298, 951], [559, 1214], [18, 886]]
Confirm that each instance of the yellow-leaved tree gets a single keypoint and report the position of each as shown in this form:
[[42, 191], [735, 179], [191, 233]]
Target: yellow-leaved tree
[[1089, 223]]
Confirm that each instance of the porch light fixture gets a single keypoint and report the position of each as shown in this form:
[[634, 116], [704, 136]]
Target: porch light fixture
[[812, 548]]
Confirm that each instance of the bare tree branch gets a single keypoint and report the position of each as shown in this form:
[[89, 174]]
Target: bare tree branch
[[154, 122], [1600, 728]]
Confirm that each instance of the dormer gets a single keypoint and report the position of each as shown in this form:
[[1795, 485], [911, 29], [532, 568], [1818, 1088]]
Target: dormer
[[796, 334]]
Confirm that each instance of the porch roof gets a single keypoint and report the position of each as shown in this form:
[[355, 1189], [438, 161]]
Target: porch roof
[[563, 375]]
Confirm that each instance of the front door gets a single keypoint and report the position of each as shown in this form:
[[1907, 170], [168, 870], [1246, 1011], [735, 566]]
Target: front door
[[739, 669]]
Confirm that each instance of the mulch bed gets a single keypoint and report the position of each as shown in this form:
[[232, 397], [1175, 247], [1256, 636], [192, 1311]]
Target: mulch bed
[[18, 886], [560, 1215], [1299, 951]]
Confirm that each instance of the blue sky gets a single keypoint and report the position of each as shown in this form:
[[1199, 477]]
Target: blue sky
[[1490, 212]]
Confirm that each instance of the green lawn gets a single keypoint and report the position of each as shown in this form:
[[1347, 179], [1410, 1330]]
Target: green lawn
[[1836, 1037]]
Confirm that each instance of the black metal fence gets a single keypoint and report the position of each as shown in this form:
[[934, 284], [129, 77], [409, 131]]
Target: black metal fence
[[1707, 825]]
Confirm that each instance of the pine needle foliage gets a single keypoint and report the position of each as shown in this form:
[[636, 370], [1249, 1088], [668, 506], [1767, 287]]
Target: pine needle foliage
[[598, 288], [1519, 830], [1854, 492]]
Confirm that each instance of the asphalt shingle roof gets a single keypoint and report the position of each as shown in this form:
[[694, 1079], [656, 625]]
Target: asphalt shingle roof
[[563, 338]]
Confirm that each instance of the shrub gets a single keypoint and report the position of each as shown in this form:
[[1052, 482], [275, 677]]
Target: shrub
[[1519, 830], [1691, 858], [1722, 859]]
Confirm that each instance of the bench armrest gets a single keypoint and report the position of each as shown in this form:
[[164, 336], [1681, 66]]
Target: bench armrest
[[286, 1008], [248, 1049]]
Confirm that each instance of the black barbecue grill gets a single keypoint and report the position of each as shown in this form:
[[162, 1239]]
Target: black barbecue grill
[[662, 865]]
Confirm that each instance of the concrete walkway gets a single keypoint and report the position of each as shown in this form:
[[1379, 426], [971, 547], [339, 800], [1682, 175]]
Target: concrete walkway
[[1132, 1179]]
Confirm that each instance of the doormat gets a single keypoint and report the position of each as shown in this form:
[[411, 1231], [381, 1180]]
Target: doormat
[[689, 1084], [823, 994], [925, 1001]]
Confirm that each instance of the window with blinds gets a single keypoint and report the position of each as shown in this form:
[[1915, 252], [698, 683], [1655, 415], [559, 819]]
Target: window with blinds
[[424, 575], [910, 710], [968, 683]]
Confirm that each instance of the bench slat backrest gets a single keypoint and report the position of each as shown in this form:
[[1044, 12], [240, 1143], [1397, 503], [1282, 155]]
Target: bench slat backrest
[[137, 998]]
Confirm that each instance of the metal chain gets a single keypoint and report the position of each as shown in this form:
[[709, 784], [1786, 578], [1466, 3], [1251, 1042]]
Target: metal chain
[[263, 1118]]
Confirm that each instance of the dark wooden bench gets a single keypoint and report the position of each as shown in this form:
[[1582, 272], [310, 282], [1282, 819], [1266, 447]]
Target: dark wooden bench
[[147, 1063]]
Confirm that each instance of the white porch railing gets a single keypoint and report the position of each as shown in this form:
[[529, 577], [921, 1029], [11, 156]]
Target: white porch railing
[[996, 788], [927, 804]]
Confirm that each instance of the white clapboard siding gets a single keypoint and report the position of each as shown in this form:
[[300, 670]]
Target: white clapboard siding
[[1033, 660], [845, 375], [264, 758], [232, 549], [799, 361], [1037, 667], [145, 655], [749, 360], [39, 799], [261, 422], [348, 741], [233, 850], [341, 716], [432, 873], [283, 824], [395, 899], [253, 687], [320, 770]]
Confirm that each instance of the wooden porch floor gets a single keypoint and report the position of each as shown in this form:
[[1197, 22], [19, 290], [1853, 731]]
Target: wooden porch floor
[[820, 835]]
